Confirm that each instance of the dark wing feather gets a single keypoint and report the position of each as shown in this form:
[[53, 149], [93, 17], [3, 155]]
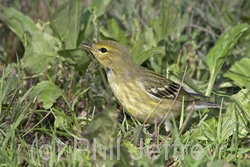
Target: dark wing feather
[[163, 88]]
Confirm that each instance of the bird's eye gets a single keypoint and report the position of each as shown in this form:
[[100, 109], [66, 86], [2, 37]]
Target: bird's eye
[[103, 50]]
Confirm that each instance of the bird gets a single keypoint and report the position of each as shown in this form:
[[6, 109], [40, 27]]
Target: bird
[[144, 94]]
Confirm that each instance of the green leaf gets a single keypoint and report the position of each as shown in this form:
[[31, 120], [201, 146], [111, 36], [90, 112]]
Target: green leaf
[[62, 120], [242, 98], [102, 127], [102, 130], [149, 53], [23, 26], [241, 110], [117, 32], [66, 22], [218, 54], [105, 34], [239, 72], [40, 47], [166, 22], [149, 36], [47, 93], [99, 7], [86, 27], [138, 133], [40, 53], [76, 58]]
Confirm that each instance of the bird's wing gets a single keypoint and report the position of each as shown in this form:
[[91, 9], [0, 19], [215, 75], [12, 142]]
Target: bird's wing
[[163, 88]]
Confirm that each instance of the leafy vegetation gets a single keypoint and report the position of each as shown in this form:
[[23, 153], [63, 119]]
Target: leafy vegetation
[[56, 107]]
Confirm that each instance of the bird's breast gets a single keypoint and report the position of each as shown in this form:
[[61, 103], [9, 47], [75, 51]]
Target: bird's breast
[[135, 99]]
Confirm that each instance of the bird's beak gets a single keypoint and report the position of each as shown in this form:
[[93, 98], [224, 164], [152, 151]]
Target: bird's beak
[[87, 46]]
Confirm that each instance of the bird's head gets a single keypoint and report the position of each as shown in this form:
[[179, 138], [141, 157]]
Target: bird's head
[[111, 54]]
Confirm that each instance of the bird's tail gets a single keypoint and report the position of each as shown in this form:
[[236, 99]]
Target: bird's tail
[[197, 105]]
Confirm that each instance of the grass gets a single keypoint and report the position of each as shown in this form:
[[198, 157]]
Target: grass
[[56, 106]]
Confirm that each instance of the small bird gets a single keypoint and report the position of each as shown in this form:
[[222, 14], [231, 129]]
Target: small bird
[[144, 94]]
